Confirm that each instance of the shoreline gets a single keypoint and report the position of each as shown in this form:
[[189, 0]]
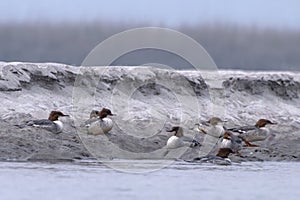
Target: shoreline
[[144, 99]]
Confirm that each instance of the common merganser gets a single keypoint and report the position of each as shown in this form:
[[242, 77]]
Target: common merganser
[[221, 158], [232, 142], [176, 140], [225, 148], [102, 124], [215, 128], [226, 141], [258, 132], [51, 124]]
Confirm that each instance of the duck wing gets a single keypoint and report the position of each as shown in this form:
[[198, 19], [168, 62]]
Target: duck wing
[[242, 129], [40, 123]]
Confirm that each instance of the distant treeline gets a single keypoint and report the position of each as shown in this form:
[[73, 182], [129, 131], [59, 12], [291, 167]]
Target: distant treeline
[[231, 46]]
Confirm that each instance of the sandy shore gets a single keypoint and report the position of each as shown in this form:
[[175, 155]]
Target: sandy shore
[[146, 100]]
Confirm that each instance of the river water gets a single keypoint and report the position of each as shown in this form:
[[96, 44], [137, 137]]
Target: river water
[[179, 180]]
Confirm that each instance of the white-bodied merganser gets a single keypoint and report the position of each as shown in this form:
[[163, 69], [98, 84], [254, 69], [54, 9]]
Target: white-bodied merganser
[[102, 124], [228, 144], [51, 124], [176, 140], [215, 128], [226, 141], [258, 132]]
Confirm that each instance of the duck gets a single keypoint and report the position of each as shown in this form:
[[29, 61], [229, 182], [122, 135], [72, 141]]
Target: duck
[[215, 127], [230, 141], [102, 124], [176, 140], [258, 132], [213, 130], [221, 158], [226, 146], [52, 124]]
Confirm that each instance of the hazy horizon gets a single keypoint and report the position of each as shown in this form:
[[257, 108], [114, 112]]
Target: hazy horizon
[[249, 34], [267, 13]]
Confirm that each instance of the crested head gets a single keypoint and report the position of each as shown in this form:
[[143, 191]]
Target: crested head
[[104, 113], [263, 122], [214, 121], [54, 115]]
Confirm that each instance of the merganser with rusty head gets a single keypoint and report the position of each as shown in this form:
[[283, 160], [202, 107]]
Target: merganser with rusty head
[[258, 132], [52, 124], [226, 146], [221, 158], [102, 124]]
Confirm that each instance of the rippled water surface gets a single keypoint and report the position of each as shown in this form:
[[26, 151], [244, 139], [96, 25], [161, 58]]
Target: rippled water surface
[[180, 180]]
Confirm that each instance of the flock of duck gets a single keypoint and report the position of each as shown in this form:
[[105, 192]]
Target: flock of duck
[[230, 140]]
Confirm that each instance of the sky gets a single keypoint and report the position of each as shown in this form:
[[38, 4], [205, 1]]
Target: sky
[[266, 13]]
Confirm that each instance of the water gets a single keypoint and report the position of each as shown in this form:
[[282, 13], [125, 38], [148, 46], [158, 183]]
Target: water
[[32, 180]]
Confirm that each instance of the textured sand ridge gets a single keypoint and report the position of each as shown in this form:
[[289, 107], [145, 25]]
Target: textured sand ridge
[[145, 100]]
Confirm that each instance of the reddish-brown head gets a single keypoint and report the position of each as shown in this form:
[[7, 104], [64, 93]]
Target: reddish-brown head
[[54, 115], [104, 113], [227, 136], [263, 122]]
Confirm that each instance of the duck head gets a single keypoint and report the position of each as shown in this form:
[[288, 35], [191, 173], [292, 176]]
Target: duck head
[[54, 115], [104, 113], [215, 121], [263, 122]]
